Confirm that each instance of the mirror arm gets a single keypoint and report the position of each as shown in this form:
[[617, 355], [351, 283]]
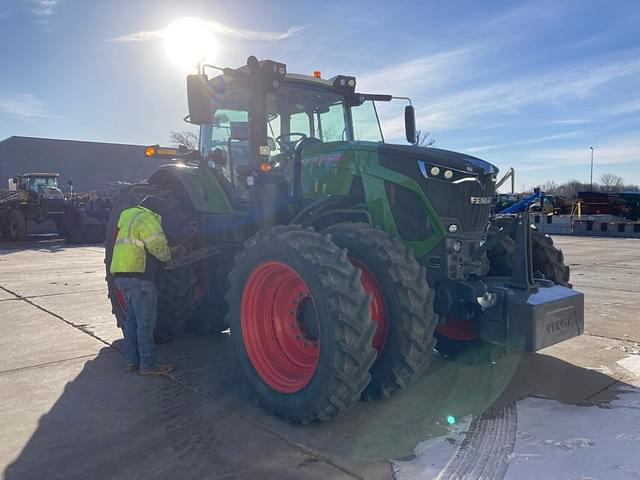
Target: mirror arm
[[403, 98]]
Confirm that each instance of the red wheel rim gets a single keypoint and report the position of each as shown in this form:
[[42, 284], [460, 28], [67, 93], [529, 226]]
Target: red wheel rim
[[377, 310], [458, 329], [280, 327]]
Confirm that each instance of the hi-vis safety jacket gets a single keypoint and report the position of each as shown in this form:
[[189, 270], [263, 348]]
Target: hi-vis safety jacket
[[139, 232]]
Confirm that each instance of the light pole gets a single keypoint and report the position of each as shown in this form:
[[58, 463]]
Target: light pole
[[591, 168]]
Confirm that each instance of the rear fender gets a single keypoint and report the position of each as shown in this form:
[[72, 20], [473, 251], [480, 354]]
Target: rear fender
[[200, 184]]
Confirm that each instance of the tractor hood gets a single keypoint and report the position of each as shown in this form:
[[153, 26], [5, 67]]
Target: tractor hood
[[52, 193], [439, 158], [460, 187]]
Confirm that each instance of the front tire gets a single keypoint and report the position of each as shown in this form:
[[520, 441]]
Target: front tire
[[300, 323], [17, 225], [401, 305]]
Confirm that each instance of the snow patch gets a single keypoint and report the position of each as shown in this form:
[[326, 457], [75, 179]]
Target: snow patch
[[431, 456], [632, 364], [554, 441]]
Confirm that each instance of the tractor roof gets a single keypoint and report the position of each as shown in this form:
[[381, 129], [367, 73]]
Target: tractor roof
[[40, 175], [226, 84]]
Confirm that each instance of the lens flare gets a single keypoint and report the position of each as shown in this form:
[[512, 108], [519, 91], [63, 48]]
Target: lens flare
[[188, 42], [451, 419]]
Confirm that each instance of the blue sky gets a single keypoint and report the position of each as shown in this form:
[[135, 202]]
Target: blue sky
[[526, 84]]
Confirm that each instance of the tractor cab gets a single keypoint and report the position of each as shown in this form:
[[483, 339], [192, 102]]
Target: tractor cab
[[39, 183], [261, 119]]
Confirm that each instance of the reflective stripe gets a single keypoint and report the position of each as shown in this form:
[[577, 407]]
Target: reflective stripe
[[130, 241], [151, 238]]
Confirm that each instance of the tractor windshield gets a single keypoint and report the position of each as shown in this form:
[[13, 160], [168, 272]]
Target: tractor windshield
[[312, 112], [366, 125], [38, 183]]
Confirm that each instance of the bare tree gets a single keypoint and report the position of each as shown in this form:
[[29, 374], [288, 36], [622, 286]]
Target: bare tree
[[610, 182], [550, 187], [423, 140], [186, 138]]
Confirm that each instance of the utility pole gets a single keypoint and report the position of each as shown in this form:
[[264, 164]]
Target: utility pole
[[591, 168]]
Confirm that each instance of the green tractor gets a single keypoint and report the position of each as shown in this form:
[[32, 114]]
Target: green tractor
[[337, 259]]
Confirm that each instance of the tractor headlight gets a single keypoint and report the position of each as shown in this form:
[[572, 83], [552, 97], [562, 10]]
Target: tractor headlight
[[453, 228], [457, 246], [443, 173]]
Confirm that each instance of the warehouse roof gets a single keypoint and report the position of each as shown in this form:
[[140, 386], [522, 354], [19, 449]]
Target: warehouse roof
[[89, 164]]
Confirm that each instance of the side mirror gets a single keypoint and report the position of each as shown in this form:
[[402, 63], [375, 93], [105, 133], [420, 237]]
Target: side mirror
[[410, 124], [199, 100]]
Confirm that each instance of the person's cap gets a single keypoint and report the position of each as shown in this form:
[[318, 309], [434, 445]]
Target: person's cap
[[154, 203]]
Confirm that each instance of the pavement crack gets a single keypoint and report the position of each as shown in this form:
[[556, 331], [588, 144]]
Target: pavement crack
[[606, 387], [62, 293], [59, 317], [296, 446], [628, 340], [46, 364]]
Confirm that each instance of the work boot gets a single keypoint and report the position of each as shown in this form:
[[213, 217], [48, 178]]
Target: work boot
[[158, 370], [132, 367]]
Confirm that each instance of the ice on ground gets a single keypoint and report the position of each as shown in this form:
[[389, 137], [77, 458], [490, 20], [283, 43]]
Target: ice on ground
[[432, 455], [632, 364], [558, 441], [555, 441]]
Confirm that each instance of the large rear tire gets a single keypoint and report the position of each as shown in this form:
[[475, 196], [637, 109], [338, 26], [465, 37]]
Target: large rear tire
[[17, 225], [547, 258], [401, 305], [300, 323], [175, 287]]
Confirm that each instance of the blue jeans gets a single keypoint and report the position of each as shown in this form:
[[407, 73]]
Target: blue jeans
[[141, 299]]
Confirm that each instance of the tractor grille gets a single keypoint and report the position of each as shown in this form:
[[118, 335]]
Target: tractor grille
[[454, 201]]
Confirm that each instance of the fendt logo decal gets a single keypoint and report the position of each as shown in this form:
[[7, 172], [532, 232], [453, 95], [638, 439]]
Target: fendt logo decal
[[480, 200], [558, 326]]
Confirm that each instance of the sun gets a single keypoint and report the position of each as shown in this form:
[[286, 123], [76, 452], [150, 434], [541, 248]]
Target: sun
[[188, 42]]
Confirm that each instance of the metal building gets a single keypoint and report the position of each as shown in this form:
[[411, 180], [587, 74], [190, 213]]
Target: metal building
[[89, 164]]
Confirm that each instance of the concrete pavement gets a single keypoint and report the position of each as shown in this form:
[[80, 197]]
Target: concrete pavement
[[67, 410]]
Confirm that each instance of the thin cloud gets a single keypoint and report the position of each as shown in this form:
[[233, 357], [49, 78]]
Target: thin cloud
[[25, 106], [625, 108], [424, 72], [509, 97], [572, 121], [215, 27], [5, 14], [613, 151], [42, 9], [530, 141]]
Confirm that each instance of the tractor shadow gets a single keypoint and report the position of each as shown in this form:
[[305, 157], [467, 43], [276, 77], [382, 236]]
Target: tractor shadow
[[201, 420], [391, 427]]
